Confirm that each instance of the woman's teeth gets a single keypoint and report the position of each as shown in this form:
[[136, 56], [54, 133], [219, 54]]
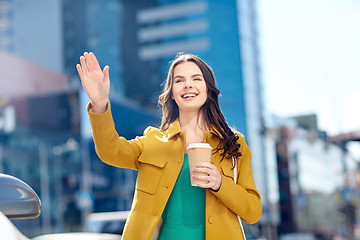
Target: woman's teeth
[[189, 95]]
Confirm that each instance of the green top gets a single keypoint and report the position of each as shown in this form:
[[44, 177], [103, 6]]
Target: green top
[[184, 214]]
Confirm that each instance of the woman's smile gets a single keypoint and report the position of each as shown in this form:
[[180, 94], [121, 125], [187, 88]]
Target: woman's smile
[[189, 96]]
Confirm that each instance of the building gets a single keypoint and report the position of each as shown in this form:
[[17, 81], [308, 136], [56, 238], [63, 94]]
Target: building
[[33, 31], [316, 178]]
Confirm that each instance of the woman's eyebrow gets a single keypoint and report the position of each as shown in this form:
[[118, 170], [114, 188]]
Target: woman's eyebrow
[[178, 76], [197, 75]]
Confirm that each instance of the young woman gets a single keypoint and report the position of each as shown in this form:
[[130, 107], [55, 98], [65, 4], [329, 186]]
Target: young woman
[[164, 196]]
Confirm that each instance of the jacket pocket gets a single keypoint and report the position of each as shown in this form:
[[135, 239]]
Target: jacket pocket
[[150, 172]]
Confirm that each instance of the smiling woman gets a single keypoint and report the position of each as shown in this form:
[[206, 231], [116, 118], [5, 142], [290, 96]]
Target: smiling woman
[[189, 88], [191, 114]]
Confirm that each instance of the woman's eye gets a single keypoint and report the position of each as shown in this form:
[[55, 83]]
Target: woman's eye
[[197, 79]]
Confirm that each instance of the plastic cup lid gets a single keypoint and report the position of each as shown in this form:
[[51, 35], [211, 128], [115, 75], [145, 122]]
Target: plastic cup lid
[[199, 145]]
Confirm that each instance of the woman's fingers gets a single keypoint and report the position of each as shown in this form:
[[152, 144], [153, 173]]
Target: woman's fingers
[[89, 63], [205, 166], [89, 69], [80, 71], [92, 62], [106, 73], [83, 64], [212, 175]]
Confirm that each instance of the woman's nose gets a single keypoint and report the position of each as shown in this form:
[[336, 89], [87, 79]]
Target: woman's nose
[[188, 84]]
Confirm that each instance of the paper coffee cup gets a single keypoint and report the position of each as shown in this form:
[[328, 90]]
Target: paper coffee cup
[[197, 153]]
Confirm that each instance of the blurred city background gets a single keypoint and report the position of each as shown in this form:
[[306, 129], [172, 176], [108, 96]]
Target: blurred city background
[[307, 175]]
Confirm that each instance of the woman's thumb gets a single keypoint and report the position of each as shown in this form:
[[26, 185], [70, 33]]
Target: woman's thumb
[[106, 72]]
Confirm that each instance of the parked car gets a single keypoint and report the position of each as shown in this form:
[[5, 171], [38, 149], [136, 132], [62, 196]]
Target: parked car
[[19, 201]]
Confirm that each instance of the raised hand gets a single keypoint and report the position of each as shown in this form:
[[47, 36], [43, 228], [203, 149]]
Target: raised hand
[[95, 82]]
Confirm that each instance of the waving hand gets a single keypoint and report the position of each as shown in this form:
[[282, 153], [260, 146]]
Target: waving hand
[[96, 82]]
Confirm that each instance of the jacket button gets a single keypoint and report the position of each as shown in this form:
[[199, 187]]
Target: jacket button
[[210, 220]]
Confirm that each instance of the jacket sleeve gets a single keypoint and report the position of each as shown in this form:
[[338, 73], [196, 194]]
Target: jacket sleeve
[[112, 149], [241, 198]]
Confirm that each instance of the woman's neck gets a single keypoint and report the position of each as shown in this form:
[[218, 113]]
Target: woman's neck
[[193, 125]]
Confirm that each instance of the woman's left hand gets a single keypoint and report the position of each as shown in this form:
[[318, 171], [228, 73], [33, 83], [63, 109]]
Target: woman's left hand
[[213, 175]]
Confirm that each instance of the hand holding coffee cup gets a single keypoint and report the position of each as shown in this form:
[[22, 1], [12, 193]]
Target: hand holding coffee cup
[[202, 172]]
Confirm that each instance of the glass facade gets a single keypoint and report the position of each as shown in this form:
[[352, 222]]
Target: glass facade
[[254, 111], [104, 37]]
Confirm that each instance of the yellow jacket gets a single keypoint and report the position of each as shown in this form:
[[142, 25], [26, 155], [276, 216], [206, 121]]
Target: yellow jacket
[[158, 156]]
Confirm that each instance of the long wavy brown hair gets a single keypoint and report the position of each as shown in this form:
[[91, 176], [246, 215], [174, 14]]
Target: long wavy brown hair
[[213, 116]]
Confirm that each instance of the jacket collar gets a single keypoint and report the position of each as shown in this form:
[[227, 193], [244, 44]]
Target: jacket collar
[[174, 129]]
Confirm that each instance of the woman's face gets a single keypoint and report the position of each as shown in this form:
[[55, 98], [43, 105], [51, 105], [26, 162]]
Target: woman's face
[[189, 87]]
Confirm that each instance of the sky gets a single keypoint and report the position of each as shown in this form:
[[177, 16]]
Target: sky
[[310, 59]]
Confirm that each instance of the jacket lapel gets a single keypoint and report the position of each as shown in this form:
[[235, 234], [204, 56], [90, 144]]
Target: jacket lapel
[[174, 129]]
